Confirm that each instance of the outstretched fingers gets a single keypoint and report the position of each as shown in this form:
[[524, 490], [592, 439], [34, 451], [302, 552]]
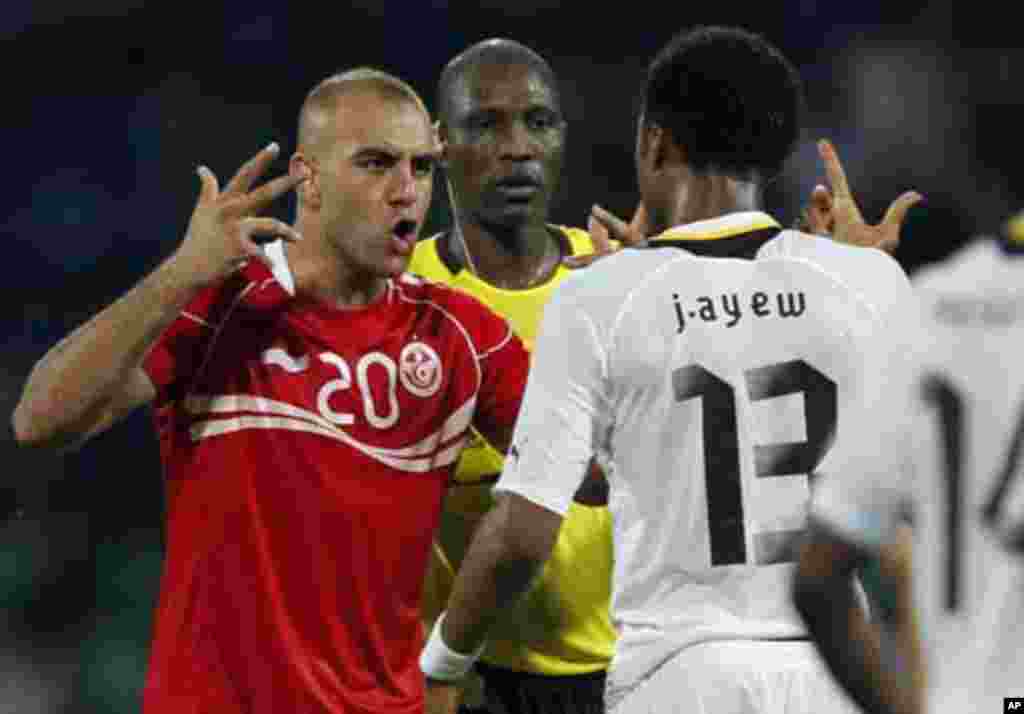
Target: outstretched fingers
[[263, 230], [617, 228], [252, 169], [208, 186], [897, 212], [818, 213], [271, 190]]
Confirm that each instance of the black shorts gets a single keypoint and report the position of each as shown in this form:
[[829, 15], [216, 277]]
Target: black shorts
[[507, 691]]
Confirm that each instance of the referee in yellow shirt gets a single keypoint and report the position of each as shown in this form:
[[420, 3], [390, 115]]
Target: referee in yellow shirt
[[501, 120]]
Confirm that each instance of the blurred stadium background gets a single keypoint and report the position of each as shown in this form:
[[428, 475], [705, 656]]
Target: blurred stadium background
[[111, 104]]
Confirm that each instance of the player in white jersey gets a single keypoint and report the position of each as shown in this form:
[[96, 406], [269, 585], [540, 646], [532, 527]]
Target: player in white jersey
[[709, 370], [939, 443]]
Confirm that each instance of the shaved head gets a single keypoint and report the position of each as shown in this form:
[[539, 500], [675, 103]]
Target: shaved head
[[496, 51], [317, 109]]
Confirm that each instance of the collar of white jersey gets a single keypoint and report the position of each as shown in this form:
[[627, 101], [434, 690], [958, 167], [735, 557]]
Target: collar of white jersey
[[731, 225]]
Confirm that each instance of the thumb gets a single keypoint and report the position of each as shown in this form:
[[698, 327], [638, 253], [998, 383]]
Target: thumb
[[819, 211], [208, 189], [821, 198], [638, 224], [897, 212]]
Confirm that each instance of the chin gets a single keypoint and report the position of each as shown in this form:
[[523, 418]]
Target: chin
[[394, 267], [514, 217]]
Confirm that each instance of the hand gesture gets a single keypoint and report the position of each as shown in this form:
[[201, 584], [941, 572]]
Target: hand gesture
[[834, 212], [225, 231], [605, 227]]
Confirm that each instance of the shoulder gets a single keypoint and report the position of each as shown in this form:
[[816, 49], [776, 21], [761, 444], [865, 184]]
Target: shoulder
[[624, 270], [606, 289], [254, 289], [426, 260], [869, 272], [578, 240], [961, 270], [795, 244], [977, 286], [478, 321], [416, 288]]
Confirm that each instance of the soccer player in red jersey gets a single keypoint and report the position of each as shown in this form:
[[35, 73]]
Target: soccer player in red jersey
[[311, 400]]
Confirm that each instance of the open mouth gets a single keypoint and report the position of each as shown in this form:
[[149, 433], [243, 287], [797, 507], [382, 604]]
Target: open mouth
[[405, 229], [404, 236]]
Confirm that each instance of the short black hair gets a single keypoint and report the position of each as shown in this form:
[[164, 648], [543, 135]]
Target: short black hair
[[729, 98], [491, 51]]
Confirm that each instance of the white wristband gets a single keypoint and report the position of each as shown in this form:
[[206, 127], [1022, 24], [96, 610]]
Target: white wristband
[[440, 662]]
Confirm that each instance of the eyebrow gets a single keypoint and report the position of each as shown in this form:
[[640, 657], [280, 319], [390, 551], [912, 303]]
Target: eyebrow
[[483, 109], [394, 152]]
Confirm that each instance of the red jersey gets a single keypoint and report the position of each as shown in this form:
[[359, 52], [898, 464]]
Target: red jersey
[[306, 452]]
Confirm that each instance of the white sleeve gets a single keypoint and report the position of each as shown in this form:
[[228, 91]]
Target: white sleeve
[[563, 409], [864, 487]]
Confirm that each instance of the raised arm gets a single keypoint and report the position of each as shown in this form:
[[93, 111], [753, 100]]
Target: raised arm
[[93, 377]]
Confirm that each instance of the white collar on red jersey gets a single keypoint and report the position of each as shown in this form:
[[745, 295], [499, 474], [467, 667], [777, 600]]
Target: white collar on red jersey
[[279, 265]]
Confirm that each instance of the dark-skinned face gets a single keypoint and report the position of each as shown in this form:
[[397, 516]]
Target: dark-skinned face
[[505, 139]]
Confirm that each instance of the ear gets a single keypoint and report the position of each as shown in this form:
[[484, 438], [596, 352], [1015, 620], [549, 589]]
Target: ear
[[652, 145], [441, 137], [309, 190], [665, 152]]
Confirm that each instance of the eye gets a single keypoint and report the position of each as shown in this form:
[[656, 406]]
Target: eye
[[541, 120], [423, 166], [376, 162], [480, 122]]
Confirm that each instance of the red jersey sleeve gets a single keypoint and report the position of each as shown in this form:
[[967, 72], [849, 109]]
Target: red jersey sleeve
[[179, 353]]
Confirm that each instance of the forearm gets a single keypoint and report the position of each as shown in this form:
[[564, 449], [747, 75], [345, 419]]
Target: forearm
[[908, 657], [492, 578], [80, 375], [851, 647]]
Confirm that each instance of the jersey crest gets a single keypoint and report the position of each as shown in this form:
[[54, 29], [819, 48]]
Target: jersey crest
[[420, 369]]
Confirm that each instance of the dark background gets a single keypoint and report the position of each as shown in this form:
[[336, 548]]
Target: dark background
[[110, 105]]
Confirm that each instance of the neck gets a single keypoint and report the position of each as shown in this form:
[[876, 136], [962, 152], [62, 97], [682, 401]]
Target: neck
[[515, 258], [711, 196], [322, 273]]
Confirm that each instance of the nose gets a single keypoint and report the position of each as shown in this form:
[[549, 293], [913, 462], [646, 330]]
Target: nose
[[404, 186], [518, 143]]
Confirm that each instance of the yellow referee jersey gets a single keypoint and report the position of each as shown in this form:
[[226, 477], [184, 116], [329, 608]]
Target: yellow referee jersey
[[562, 625]]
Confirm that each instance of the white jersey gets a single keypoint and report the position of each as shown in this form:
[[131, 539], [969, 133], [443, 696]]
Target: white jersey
[[710, 386], [941, 444]]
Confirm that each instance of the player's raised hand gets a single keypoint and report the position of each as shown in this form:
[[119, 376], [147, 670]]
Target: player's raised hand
[[225, 230], [609, 233], [816, 217], [835, 212]]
